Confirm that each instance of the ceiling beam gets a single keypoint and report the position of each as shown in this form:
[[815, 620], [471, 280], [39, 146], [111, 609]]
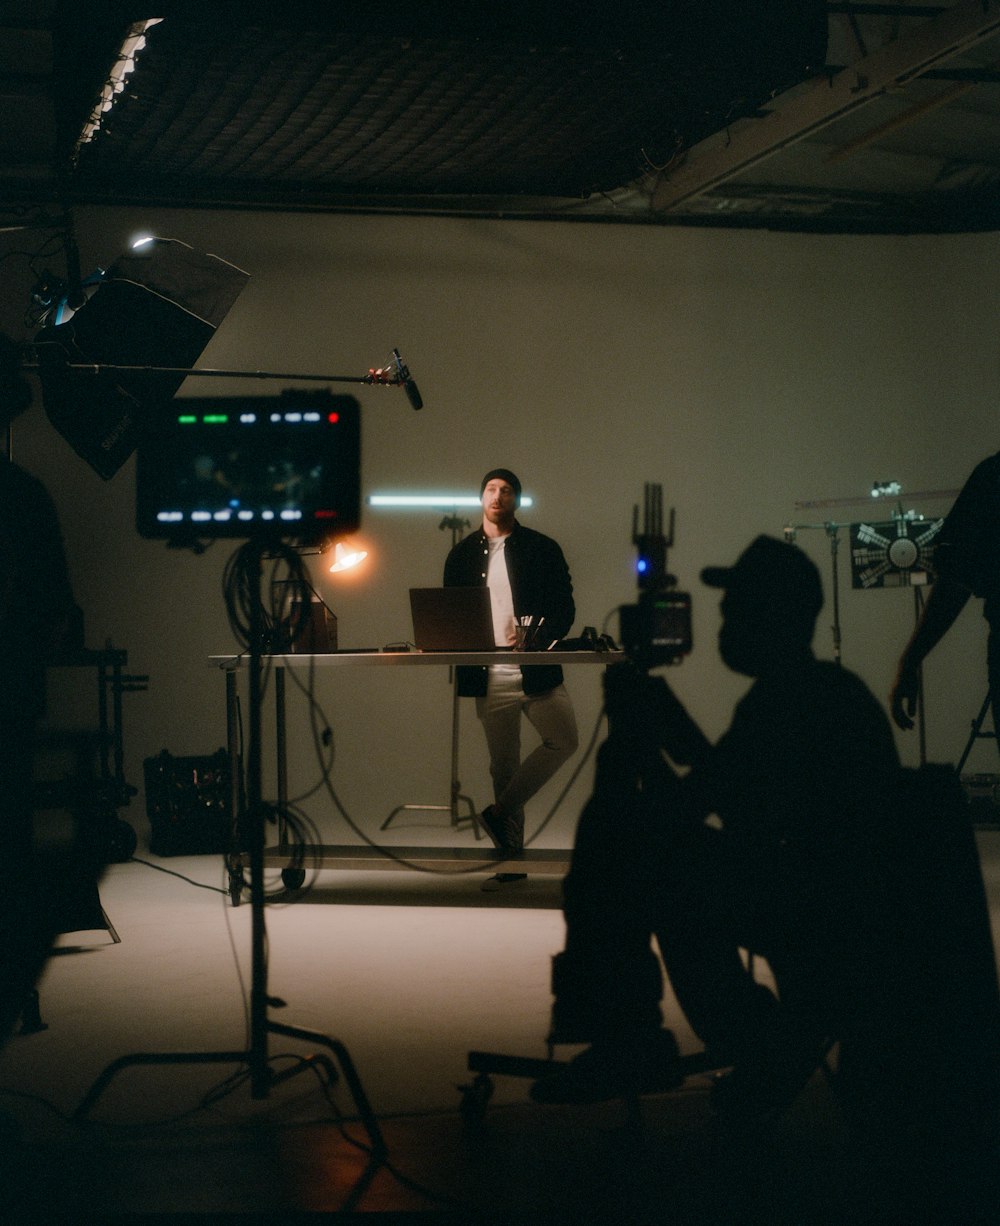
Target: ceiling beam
[[805, 110]]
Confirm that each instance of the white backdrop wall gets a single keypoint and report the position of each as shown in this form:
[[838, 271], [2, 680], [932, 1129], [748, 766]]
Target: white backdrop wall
[[745, 372]]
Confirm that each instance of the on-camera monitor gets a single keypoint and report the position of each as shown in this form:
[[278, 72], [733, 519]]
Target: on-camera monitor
[[241, 466]]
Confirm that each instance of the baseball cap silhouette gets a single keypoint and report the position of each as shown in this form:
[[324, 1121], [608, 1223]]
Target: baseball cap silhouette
[[772, 571]]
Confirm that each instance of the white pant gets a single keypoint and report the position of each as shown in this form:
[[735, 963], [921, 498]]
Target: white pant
[[551, 714]]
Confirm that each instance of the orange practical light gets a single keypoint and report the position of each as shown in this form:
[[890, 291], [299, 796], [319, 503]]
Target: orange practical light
[[345, 557]]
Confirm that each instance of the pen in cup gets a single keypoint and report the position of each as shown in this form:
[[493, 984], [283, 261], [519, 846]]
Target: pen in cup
[[526, 631]]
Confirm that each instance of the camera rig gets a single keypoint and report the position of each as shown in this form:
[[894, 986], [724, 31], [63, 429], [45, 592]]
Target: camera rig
[[656, 630]]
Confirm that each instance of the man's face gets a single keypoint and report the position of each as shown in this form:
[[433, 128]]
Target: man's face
[[744, 632], [499, 503], [758, 632]]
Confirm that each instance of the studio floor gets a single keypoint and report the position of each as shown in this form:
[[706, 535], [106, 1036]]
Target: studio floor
[[406, 973]]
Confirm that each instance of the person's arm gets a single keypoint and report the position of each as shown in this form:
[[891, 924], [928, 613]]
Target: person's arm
[[649, 707], [548, 589], [456, 567], [946, 600]]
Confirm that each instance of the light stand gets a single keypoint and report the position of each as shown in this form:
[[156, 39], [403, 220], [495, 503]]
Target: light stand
[[456, 524], [897, 552], [262, 1077], [832, 531], [977, 732], [249, 573], [910, 555]]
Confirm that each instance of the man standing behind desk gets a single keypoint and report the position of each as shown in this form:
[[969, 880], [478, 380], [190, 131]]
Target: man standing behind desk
[[528, 578]]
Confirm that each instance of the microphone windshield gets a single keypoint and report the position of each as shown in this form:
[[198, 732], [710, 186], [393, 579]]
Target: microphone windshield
[[414, 397]]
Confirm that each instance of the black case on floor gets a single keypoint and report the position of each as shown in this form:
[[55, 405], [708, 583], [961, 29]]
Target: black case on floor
[[188, 804]]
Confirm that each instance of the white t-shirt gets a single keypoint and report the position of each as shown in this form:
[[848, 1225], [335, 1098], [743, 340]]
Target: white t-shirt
[[501, 597]]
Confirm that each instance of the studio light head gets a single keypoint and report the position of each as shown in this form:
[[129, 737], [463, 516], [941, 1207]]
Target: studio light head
[[154, 309]]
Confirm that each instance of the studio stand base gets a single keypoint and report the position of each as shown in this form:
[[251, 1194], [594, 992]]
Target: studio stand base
[[315, 1062]]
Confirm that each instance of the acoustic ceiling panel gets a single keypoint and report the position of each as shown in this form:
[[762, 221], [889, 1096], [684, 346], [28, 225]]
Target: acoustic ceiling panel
[[309, 103]]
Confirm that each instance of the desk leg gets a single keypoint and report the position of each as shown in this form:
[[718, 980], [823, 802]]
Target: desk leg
[[234, 862], [233, 748], [452, 808], [456, 787], [281, 750], [293, 875]]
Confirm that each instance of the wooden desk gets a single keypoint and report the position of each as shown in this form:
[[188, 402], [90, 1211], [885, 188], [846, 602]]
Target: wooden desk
[[293, 860]]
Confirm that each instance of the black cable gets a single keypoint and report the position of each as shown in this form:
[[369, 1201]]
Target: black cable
[[325, 782], [214, 889], [583, 761], [241, 583], [572, 779]]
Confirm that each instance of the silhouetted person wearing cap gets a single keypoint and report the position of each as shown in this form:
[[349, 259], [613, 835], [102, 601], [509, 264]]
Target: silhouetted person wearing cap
[[529, 580], [773, 841]]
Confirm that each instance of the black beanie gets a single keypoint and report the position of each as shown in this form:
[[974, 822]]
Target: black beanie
[[504, 474]]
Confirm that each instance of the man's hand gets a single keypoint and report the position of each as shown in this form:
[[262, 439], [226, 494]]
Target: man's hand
[[904, 694]]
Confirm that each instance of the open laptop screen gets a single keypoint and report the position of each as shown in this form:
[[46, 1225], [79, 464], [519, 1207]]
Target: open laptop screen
[[452, 618]]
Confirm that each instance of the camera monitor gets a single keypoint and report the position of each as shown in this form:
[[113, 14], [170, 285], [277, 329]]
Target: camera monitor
[[237, 467]]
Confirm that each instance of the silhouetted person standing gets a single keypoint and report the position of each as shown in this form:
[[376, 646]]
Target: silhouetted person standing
[[36, 609], [967, 563]]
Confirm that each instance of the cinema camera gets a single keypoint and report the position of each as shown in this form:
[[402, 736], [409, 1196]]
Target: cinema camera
[[656, 630]]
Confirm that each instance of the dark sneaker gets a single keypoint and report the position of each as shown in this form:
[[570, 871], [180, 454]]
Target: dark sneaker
[[501, 881], [504, 832], [648, 1064]]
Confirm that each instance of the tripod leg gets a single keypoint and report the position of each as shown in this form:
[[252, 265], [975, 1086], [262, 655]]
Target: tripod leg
[[976, 733], [368, 1118], [152, 1058], [111, 928]]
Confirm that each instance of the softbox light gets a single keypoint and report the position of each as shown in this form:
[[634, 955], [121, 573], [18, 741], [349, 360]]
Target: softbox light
[[157, 306]]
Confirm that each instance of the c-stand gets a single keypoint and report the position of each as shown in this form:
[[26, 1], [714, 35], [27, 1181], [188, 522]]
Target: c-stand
[[455, 524], [247, 573]]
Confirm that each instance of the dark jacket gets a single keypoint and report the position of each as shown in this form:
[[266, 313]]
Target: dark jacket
[[968, 549], [540, 585]]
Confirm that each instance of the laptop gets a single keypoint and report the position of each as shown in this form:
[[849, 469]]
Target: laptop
[[452, 618]]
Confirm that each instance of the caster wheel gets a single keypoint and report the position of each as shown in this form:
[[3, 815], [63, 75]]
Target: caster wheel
[[31, 1015], [237, 883], [121, 842], [293, 878], [475, 1099]]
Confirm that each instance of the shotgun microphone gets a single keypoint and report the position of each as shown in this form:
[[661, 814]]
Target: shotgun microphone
[[412, 394]]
